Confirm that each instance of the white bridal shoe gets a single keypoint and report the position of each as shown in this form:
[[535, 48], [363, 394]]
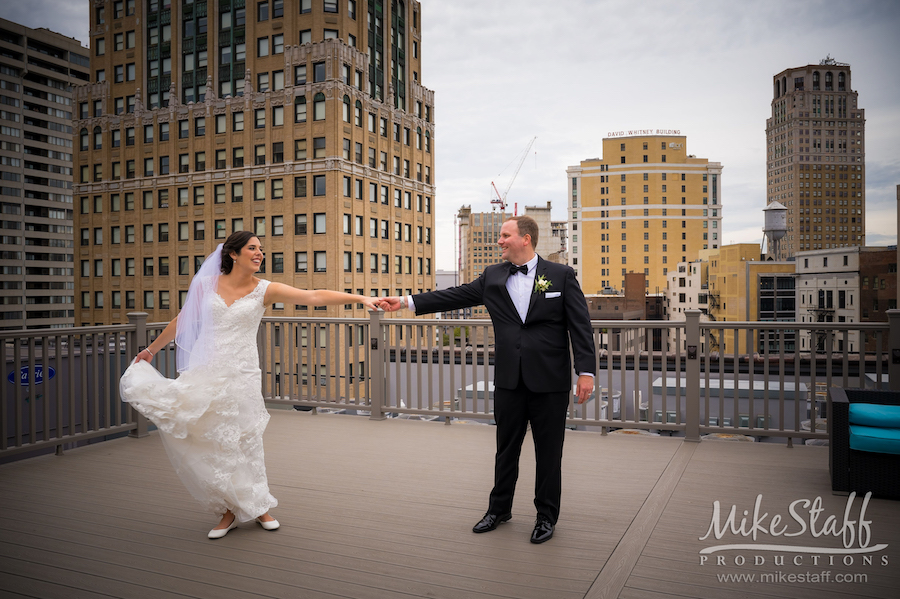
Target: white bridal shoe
[[270, 525], [218, 533]]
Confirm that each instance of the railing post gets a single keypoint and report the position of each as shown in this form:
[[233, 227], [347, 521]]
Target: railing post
[[377, 365], [894, 349], [692, 376], [138, 342]]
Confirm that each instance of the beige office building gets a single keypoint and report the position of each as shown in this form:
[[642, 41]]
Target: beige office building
[[477, 237], [305, 122], [37, 71], [816, 157], [644, 206]]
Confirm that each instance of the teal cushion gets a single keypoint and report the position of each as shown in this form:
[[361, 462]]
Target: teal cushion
[[874, 439], [871, 414]]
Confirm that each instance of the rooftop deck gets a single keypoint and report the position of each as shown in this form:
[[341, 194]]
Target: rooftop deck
[[373, 509]]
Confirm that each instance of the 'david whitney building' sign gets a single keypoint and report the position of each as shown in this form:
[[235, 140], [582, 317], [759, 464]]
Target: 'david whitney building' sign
[[632, 132]]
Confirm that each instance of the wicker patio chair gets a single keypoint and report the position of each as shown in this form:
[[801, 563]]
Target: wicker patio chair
[[851, 469]]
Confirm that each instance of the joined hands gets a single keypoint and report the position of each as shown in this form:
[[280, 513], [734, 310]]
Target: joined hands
[[392, 304]]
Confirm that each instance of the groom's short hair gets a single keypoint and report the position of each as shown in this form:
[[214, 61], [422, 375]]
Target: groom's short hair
[[527, 226]]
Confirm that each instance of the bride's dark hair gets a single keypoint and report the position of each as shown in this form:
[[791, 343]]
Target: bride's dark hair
[[235, 243]]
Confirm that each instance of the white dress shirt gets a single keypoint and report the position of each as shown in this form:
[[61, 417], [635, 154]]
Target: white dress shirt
[[520, 286]]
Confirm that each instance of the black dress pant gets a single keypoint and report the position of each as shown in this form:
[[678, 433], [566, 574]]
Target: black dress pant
[[513, 410]]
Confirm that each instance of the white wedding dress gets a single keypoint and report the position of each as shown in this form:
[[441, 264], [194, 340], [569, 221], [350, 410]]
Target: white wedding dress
[[212, 417]]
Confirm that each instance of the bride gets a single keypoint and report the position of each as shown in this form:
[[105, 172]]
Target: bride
[[212, 417]]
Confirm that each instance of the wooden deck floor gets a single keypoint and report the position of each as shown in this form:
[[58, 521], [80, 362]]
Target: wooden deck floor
[[385, 509]]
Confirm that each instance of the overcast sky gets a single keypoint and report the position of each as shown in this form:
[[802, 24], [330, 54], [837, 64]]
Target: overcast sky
[[570, 71]]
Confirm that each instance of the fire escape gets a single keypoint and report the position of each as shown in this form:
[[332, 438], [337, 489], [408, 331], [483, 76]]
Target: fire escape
[[821, 312], [713, 304]]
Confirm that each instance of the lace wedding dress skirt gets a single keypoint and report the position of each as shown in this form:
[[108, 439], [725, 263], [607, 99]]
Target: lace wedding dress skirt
[[212, 417]]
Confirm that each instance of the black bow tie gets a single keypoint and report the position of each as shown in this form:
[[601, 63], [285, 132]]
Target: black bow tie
[[513, 269]]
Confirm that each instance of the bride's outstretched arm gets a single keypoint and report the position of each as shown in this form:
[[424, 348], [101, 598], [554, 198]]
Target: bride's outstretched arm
[[162, 340], [285, 294]]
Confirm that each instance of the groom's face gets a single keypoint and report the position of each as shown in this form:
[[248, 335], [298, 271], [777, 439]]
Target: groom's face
[[514, 247]]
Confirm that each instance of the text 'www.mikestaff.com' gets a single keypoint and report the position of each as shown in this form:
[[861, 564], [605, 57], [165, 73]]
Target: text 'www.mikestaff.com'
[[825, 576]]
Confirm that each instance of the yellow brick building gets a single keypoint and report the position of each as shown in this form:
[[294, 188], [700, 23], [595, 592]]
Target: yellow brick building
[[305, 122], [645, 206]]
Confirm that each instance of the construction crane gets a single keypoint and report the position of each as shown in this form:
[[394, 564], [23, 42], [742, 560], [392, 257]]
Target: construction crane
[[500, 200]]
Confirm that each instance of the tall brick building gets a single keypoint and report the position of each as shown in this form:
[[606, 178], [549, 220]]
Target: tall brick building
[[816, 157], [305, 122]]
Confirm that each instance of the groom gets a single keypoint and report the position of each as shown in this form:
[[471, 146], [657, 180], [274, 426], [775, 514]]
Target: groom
[[537, 308]]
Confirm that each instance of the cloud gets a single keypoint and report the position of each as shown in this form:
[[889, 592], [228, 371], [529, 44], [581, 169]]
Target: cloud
[[878, 239], [71, 19]]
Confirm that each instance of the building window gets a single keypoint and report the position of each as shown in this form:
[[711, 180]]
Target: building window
[[300, 262], [300, 109], [319, 147], [319, 107], [277, 262], [319, 223], [237, 192], [300, 224], [346, 109], [300, 187]]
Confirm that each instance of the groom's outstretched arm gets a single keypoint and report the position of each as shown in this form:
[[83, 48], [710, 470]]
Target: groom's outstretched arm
[[469, 294]]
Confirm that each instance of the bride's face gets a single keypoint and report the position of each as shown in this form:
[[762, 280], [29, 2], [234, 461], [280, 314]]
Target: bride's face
[[251, 256]]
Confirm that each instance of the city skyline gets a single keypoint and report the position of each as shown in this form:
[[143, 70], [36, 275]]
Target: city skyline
[[532, 69]]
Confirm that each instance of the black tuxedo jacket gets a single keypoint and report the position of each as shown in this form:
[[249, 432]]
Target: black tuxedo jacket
[[539, 347]]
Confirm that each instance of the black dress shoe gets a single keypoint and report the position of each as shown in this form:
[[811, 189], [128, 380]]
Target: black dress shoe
[[543, 530], [490, 522]]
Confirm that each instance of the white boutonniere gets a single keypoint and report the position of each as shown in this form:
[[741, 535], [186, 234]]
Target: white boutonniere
[[541, 284]]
